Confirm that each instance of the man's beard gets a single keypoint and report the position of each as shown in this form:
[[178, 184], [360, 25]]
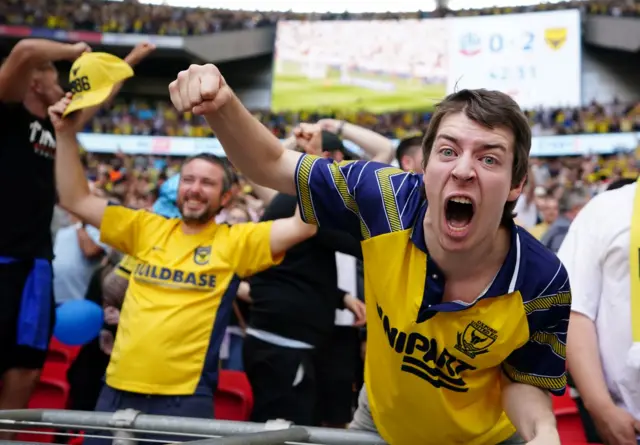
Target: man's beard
[[201, 217]]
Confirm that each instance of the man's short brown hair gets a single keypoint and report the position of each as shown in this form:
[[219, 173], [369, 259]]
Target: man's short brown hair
[[490, 109]]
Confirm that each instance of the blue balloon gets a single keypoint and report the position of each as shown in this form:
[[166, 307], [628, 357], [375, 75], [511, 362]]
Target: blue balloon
[[78, 322]]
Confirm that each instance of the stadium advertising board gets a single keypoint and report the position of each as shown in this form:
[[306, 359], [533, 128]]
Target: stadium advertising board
[[568, 145], [411, 64]]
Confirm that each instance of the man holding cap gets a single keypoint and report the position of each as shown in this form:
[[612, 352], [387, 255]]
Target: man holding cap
[[28, 86]]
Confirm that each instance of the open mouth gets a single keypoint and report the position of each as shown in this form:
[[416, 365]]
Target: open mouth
[[458, 212]]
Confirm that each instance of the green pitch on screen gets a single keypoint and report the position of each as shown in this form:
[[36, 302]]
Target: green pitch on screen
[[292, 91]]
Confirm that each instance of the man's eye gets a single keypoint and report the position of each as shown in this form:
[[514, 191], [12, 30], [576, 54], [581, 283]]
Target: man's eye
[[447, 152], [489, 160]]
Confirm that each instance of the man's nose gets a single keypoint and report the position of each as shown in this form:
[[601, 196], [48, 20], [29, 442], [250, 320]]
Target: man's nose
[[196, 187], [464, 169]]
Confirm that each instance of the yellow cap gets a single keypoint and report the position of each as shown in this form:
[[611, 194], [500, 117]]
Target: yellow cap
[[92, 78]]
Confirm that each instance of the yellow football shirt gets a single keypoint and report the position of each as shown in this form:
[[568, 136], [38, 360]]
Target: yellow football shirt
[[126, 265], [176, 309], [433, 369]]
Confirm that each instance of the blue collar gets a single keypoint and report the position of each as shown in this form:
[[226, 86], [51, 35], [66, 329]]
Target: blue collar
[[508, 279]]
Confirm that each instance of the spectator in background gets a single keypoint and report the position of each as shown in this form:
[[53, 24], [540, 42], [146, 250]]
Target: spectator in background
[[572, 201], [86, 373], [235, 332], [77, 252], [598, 254], [292, 373], [409, 153], [548, 207]]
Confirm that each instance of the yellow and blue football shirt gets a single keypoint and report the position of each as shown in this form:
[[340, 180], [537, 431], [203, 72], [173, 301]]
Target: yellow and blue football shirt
[[433, 368], [176, 309]]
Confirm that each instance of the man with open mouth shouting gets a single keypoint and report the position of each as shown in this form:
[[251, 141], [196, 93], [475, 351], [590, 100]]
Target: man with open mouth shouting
[[470, 317]]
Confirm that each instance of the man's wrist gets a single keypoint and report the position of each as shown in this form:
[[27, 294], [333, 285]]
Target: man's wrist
[[67, 135], [597, 405]]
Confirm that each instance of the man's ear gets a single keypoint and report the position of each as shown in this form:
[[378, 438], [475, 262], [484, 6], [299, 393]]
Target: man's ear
[[516, 191], [225, 198]]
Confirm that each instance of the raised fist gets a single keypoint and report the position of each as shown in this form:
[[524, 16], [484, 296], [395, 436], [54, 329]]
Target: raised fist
[[201, 89], [78, 49]]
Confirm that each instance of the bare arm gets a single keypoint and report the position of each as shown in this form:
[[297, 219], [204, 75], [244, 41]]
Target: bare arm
[[530, 410], [89, 248], [73, 189], [256, 152], [264, 194], [287, 232], [615, 425], [26, 55], [377, 147], [583, 360], [244, 292]]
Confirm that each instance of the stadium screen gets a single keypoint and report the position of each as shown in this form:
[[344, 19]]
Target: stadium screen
[[410, 64]]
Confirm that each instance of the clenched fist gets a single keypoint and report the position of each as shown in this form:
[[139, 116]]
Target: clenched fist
[[201, 89]]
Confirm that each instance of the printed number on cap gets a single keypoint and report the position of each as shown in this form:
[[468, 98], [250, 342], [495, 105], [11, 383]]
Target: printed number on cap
[[80, 85]]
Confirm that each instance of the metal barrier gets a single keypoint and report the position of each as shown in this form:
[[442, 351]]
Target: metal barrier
[[121, 427]]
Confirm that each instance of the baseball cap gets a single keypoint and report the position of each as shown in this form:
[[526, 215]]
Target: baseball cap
[[92, 78]]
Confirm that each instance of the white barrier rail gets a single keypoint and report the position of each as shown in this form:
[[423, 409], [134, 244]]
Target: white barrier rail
[[124, 424]]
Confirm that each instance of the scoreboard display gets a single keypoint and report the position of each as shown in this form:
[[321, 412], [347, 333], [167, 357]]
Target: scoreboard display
[[534, 57], [384, 65]]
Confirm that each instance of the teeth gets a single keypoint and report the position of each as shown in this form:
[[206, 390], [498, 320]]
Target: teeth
[[461, 200]]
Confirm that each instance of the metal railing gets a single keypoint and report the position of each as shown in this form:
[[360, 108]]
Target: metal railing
[[121, 427]]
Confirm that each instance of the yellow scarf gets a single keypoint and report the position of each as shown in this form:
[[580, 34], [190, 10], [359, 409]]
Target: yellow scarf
[[634, 265], [633, 356]]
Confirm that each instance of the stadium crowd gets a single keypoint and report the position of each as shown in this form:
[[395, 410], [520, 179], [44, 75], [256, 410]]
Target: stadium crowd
[[156, 117], [130, 16]]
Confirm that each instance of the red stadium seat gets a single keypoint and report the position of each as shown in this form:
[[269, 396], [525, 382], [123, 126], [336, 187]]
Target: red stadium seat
[[568, 418], [233, 399], [59, 352], [50, 393], [55, 372]]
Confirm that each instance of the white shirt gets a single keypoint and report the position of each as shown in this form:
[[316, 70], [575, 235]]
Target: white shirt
[[527, 214], [595, 253]]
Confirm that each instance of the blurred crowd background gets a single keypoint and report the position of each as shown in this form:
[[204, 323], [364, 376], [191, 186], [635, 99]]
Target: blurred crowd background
[[129, 16]]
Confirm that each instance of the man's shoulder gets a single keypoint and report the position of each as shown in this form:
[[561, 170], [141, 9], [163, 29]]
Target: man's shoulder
[[611, 203], [357, 173], [544, 278], [11, 111], [142, 217]]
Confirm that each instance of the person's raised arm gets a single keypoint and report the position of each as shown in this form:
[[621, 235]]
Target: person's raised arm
[[258, 246], [255, 151], [72, 185], [26, 56], [377, 147]]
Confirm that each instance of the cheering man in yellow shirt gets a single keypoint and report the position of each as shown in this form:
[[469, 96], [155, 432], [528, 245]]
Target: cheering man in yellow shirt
[[471, 312], [164, 360]]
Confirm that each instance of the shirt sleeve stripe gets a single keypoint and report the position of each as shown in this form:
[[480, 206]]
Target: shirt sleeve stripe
[[389, 197], [341, 185], [544, 303], [551, 340], [122, 272], [546, 382], [303, 176]]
